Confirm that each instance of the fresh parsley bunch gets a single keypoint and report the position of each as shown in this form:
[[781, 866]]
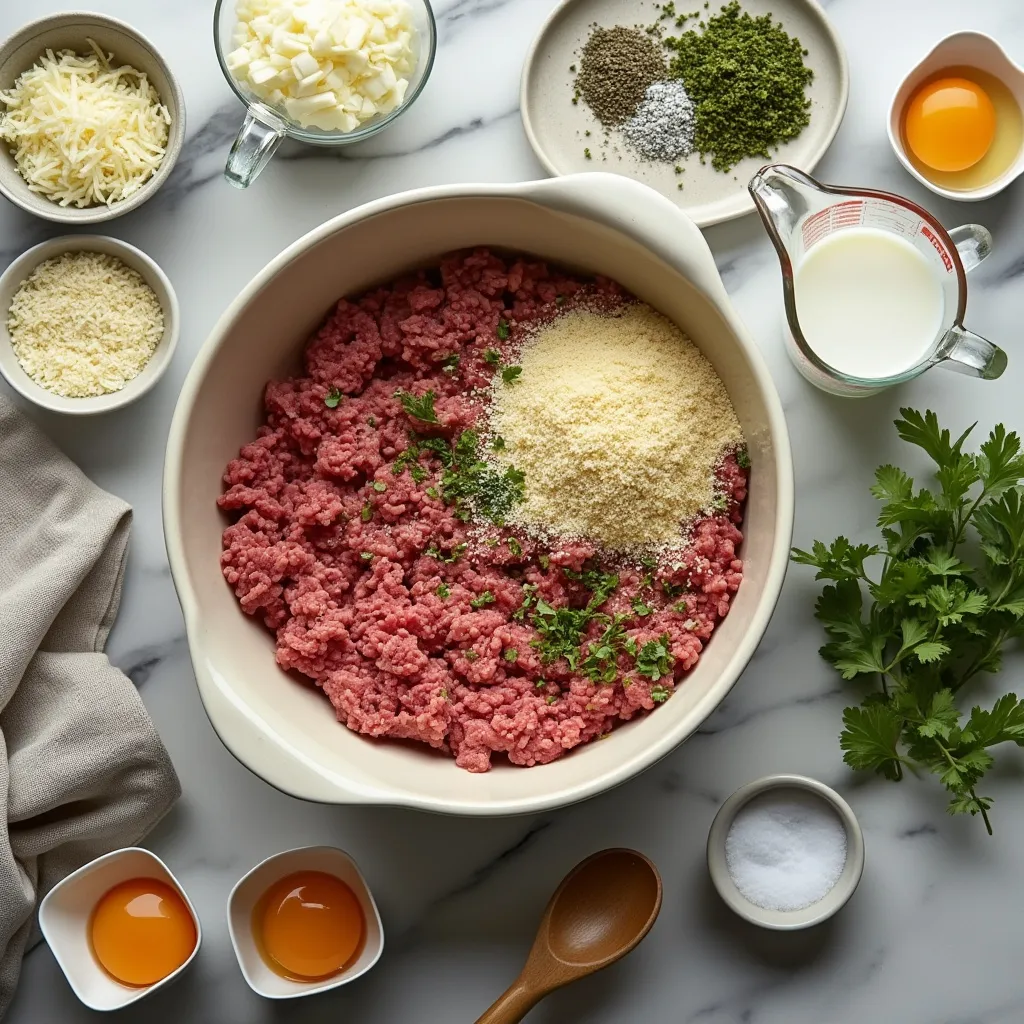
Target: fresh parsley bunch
[[945, 596]]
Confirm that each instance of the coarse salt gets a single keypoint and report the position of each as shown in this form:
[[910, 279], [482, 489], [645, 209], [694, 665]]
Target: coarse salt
[[785, 850]]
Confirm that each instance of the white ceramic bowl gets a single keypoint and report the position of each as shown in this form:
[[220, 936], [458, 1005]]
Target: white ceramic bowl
[[246, 894], [962, 49], [786, 920], [287, 733], [64, 916], [69, 31], [20, 269]]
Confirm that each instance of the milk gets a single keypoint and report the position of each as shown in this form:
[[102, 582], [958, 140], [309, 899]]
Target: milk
[[869, 304]]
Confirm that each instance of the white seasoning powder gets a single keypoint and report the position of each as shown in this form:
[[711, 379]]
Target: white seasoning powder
[[785, 850]]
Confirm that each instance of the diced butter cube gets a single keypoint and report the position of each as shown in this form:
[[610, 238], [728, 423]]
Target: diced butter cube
[[374, 87], [301, 108], [304, 64], [358, 29], [238, 58], [260, 72], [322, 43], [338, 80], [368, 109], [378, 33]]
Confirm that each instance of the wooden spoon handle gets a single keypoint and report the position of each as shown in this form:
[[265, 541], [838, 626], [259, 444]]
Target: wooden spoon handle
[[513, 1005]]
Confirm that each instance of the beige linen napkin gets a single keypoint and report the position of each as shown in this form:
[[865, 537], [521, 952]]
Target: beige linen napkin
[[82, 770]]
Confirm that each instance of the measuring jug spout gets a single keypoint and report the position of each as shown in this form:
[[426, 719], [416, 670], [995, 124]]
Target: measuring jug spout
[[782, 195]]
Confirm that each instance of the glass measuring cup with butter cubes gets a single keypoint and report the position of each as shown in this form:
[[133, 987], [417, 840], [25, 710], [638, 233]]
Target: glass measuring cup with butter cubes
[[875, 288], [323, 72]]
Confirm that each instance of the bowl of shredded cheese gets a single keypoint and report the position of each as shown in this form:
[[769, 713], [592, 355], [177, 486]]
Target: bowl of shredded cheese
[[88, 324], [91, 118]]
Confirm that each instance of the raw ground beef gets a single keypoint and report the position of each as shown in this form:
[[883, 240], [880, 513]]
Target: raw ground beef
[[362, 575]]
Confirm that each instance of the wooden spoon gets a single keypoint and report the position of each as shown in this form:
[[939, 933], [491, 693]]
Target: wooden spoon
[[599, 913]]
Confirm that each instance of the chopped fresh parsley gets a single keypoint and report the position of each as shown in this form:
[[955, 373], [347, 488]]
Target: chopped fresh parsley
[[450, 363], [492, 542], [545, 562], [497, 443], [601, 662], [720, 503], [367, 513], [419, 407], [502, 331], [551, 699], [332, 398], [529, 600], [366, 556], [471, 655], [743, 458], [453, 556], [514, 547], [511, 374], [379, 486], [541, 683], [371, 420], [672, 589], [654, 660], [511, 654], [485, 598], [443, 590], [641, 608], [492, 357], [471, 485], [599, 583], [660, 693]]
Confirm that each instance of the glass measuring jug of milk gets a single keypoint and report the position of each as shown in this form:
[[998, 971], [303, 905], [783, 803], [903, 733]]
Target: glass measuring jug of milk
[[875, 288]]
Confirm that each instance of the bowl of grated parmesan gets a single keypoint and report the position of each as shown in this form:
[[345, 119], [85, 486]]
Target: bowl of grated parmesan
[[88, 324], [91, 118]]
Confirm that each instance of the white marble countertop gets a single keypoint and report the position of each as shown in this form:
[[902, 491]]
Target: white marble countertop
[[933, 936]]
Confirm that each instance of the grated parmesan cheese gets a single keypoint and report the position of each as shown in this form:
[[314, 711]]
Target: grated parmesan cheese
[[84, 324], [618, 422], [83, 132]]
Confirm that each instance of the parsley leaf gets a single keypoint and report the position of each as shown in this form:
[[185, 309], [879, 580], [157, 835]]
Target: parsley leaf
[[654, 659], [332, 398], [502, 330], [947, 596], [492, 357], [511, 374], [641, 608], [443, 590], [419, 407], [484, 599], [450, 363], [511, 654]]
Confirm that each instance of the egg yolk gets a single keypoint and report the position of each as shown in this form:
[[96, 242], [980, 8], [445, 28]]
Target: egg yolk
[[950, 124], [309, 925], [141, 931]]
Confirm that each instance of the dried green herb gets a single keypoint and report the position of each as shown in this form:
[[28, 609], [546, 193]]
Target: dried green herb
[[746, 76]]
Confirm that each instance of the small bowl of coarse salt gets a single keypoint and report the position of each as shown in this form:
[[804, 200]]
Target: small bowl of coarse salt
[[785, 852], [87, 324]]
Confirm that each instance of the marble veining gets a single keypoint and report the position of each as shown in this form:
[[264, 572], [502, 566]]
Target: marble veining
[[933, 936]]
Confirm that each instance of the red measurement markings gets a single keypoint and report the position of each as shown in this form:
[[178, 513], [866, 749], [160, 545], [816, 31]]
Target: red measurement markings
[[824, 222], [947, 260]]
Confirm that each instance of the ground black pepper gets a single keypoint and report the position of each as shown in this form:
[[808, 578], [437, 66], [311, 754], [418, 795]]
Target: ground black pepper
[[616, 67]]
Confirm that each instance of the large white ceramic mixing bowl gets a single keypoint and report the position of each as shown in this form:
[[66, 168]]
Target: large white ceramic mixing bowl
[[287, 732]]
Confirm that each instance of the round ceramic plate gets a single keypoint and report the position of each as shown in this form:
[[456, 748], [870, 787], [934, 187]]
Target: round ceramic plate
[[557, 128]]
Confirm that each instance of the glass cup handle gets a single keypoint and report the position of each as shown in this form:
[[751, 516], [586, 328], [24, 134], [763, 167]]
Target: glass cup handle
[[972, 354], [253, 147], [973, 243]]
